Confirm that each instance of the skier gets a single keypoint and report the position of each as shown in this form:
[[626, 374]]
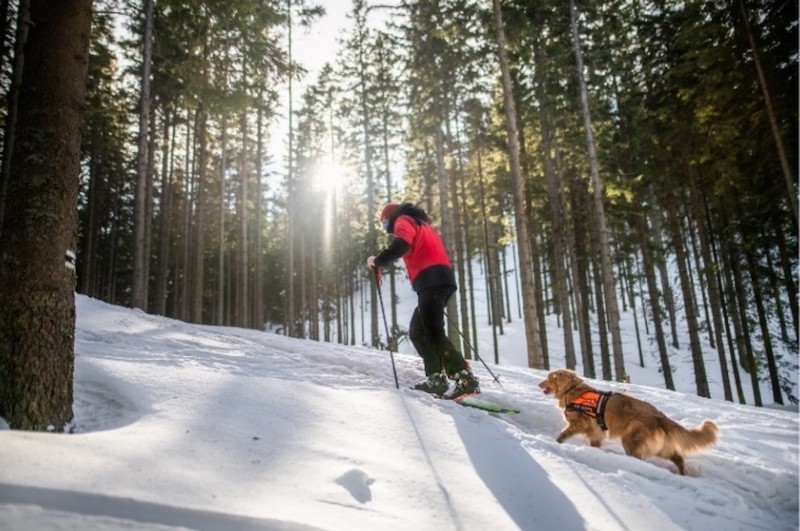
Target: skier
[[432, 278]]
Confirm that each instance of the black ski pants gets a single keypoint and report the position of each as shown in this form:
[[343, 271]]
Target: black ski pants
[[427, 332]]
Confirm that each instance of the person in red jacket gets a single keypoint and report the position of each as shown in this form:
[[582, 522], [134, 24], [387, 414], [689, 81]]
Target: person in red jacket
[[432, 278]]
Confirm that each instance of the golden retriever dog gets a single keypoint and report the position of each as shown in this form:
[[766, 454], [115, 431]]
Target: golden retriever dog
[[643, 429]]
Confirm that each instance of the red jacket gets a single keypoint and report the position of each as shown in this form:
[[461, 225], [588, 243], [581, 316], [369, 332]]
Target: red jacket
[[426, 253], [426, 247]]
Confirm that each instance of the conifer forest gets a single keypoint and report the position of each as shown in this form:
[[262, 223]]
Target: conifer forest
[[640, 155]]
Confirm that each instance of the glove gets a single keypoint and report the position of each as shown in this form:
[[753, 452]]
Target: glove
[[377, 270]]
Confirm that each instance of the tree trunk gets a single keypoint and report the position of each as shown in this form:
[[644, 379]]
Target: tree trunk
[[139, 288], [242, 259], [223, 202], [23, 22], [86, 281], [741, 325], [580, 274], [364, 108], [605, 251], [788, 273], [602, 318], [556, 212], [655, 305], [766, 336], [632, 298], [444, 210], [198, 272], [711, 285], [494, 304], [531, 318], [578, 294], [701, 380], [37, 274], [773, 119], [726, 309], [289, 304], [461, 256], [165, 215], [666, 288], [148, 211], [258, 281]]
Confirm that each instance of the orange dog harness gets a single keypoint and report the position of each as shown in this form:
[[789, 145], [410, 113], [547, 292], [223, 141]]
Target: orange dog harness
[[593, 404]]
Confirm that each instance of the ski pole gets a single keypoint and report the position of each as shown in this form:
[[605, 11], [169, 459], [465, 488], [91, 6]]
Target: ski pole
[[466, 342], [386, 326]]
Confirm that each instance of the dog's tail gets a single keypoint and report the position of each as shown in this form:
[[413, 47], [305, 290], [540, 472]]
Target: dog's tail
[[695, 439]]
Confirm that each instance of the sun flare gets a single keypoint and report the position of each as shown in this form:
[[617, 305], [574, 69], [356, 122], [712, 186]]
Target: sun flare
[[330, 177]]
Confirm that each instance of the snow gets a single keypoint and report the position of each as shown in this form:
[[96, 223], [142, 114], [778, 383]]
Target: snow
[[201, 427]]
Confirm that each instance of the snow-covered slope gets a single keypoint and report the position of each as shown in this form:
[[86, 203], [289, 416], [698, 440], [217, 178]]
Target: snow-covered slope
[[219, 428]]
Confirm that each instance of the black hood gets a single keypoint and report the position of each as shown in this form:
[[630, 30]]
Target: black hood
[[407, 209]]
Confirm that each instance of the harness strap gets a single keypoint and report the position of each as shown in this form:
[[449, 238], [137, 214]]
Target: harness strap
[[592, 404]]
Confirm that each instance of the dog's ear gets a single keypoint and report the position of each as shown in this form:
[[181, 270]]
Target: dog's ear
[[560, 378], [566, 378]]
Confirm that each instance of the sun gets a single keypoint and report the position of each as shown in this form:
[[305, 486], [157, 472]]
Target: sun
[[329, 177]]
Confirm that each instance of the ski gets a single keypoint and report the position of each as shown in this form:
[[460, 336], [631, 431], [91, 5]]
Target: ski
[[473, 400], [479, 403]]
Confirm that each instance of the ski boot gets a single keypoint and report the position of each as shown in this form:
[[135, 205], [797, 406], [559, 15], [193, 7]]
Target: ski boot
[[435, 384], [466, 384]]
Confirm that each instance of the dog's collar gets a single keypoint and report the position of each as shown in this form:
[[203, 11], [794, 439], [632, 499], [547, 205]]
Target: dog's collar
[[593, 404]]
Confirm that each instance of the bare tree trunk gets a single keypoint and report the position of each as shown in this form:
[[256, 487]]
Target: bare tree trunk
[[461, 256], [444, 210], [666, 288], [258, 281], [632, 298], [389, 198], [766, 335], [148, 211], [219, 318], [139, 288], [494, 304], [578, 292], [371, 214], [87, 273], [711, 285], [165, 227], [726, 309], [788, 274], [23, 22], [4, 26], [602, 318], [289, 318], [37, 273], [531, 318], [556, 212], [678, 244], [198, 273], [242, 260], [655, 305], [741, 326], [773, 119], [605, 252], [580, 274], [183, 310]]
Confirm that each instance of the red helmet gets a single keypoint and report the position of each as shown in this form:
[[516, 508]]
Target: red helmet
[[388, 210]]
